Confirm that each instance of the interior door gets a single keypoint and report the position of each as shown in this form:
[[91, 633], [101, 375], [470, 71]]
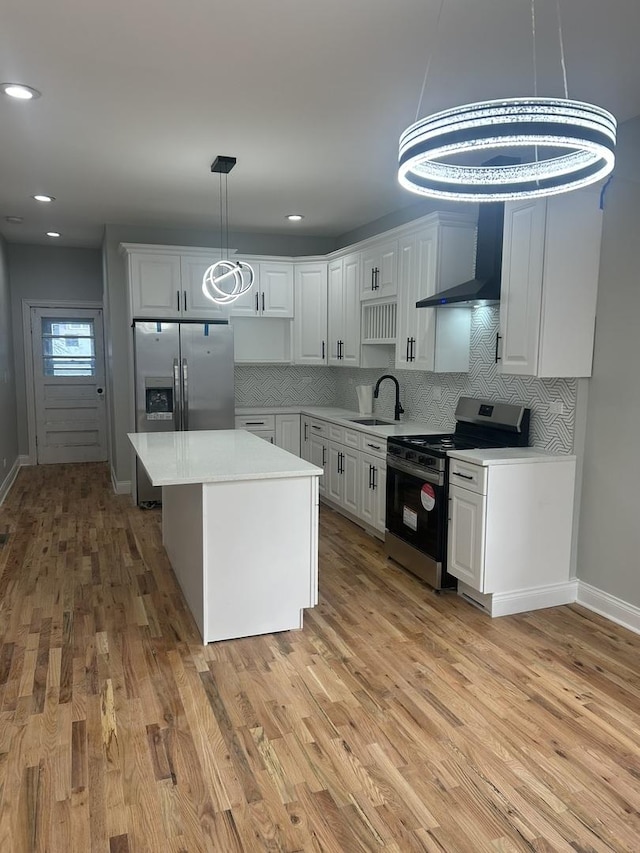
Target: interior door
[[68, 373]]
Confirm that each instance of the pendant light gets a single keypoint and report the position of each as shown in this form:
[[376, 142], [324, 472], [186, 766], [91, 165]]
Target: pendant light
[[225, 280], [565, 144]]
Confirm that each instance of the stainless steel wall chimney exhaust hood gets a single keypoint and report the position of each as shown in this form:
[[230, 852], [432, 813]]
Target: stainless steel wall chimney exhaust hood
[[485, 286]]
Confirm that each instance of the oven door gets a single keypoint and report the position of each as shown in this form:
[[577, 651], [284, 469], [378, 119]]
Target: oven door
[[417, 507]]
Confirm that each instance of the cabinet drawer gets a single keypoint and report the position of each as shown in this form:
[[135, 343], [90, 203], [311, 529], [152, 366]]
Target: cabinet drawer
[[472, 477], [373, 445], [256, 422], [318, 428]]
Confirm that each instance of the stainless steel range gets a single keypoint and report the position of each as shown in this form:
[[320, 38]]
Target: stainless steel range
[[418, 479]]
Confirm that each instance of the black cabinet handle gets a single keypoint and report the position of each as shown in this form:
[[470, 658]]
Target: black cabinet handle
[[464, 476], [255, 423], [306, 432], [324, 455], [412, 354], [185, 299], [178, 299], [257, 297], [498, 339], [374, 485], [375, 446], [407, 349], [376, 274], [370, 476], [315, 426], [263, 300], [323, 350]]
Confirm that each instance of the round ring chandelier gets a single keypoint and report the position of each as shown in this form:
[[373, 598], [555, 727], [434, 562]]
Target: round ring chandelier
[[238, 277], [577, 140]]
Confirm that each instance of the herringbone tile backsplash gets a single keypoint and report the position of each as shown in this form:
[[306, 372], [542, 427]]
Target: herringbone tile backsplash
[[323, 386]]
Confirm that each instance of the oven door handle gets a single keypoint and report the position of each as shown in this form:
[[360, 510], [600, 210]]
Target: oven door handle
[[424, 474]]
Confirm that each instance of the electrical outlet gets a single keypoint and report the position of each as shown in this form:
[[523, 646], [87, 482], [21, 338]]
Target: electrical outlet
[[556, 407]]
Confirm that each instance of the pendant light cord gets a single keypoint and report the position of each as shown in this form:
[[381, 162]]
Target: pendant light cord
[[562, 62], [221, 220], [533, 45], [431, 54]]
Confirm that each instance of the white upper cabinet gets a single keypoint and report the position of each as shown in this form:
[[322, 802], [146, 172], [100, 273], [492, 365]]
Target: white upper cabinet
[[195, 303], [439, 255], [550, 267], [271, 294], [155, 285], [168, 286], [379, 277], [344, 311], [310, 322]]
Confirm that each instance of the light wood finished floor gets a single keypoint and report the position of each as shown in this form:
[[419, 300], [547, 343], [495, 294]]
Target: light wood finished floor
[[397, 720]]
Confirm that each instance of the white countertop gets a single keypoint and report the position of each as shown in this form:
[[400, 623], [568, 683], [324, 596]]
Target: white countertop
[[345, 418], [508, 456], [214, 456]]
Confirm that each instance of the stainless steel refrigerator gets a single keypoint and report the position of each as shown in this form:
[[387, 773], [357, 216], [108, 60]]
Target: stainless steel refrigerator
[[183, 380]]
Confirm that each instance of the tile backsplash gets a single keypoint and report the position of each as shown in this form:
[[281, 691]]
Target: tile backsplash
[[425, 396]]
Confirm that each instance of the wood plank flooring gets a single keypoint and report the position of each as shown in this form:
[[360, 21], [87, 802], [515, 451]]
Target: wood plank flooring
[[396, 720]]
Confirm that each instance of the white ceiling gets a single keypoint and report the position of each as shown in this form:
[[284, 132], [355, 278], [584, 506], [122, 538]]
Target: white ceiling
[[139, 97]]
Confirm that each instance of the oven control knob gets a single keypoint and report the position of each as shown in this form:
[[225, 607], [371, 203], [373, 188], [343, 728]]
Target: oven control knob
[[409, 455], [394, 451]]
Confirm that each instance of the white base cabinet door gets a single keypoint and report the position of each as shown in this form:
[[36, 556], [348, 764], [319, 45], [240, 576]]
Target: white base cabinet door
[[288, 433], [373, 483], [318, 456], [343, 477], [467, 514]]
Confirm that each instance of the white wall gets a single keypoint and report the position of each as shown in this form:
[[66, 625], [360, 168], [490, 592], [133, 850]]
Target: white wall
[[8, 416], [609, 532], [49, 273]]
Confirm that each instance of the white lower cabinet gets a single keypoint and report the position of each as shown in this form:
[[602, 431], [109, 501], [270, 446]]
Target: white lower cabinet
[[355, 470], [318, 447], [373, 483], [288, 433], [510, 527], [281, 430], [343, 465]]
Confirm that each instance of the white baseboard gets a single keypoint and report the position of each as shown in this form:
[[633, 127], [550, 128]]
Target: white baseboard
[[8, 480], [607, 605], [25, 459], [521, 600], [120, 487]]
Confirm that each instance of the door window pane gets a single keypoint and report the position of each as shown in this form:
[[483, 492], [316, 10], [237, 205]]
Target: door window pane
[[68, 347]]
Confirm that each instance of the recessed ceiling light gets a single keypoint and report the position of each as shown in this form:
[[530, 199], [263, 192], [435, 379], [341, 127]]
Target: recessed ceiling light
[[53, 234], [41, 197], [294, 217], [14, 220], [19, 91]]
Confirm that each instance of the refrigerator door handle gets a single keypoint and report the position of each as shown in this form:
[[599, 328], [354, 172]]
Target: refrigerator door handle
[[177, 406], [185, 395]]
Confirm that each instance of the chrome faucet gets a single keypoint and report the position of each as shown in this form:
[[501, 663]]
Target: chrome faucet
[[398, 409]]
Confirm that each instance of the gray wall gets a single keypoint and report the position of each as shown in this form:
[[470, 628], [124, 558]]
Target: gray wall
[[8, 412], [609, 532], [49, 273], [118, 333]]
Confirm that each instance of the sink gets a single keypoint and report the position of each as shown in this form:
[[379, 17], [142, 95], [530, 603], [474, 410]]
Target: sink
[[371, 422]]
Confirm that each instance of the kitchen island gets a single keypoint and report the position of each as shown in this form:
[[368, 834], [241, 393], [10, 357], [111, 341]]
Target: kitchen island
[[240, 527]]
